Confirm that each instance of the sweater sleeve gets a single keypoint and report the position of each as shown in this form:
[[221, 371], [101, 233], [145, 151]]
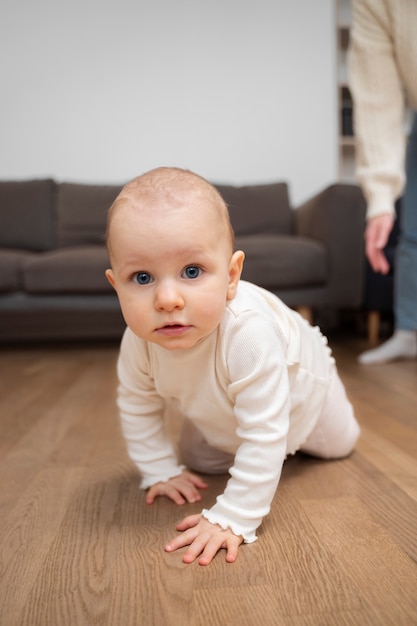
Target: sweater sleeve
[[259, 389], [379, 106], [141, 413]]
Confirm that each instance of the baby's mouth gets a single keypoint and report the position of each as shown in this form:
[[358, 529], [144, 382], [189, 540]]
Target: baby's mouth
[[174, 325], [172, 329]]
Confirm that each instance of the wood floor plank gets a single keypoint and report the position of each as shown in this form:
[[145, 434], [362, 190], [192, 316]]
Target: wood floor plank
[[392, 597], [84, 549], [64, 422], [399, 466], [26, 537], [394, 510], [312, 583]]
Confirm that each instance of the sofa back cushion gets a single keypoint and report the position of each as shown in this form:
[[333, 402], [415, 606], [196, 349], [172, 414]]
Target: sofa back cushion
[[258, 209], [82, 212], [27, 214], [67, 270]]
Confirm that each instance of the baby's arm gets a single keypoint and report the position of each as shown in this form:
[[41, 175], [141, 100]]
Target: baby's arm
[[181, 489], [259, 390], [142, 415]]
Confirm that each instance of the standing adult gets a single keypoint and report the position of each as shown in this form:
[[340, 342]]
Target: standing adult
[[382, 63]]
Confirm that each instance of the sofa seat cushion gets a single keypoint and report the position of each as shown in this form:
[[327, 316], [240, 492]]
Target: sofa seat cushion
[[11, 262], [282, 262], [68, 270]]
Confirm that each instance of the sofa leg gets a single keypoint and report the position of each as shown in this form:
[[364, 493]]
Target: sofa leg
[[306, 312], [374, 318]]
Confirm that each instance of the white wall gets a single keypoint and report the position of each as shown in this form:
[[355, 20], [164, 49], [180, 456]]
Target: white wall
[[237, 90]]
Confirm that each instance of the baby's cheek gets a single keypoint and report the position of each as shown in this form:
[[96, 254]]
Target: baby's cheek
[[212, 313], [134, 317]]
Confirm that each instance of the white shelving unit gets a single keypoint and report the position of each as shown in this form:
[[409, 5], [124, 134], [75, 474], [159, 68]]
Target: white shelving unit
[[346, 141]]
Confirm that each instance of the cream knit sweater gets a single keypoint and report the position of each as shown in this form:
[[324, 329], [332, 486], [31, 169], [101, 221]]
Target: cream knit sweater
[[382, 63]]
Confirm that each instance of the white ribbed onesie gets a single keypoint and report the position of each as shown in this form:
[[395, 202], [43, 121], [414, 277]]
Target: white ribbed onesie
[[256, 389]]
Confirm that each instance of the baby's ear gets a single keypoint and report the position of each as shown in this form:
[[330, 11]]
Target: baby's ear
[[110, 278], [235, 270]]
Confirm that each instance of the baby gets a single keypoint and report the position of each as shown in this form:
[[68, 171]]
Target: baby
[[251, 380]]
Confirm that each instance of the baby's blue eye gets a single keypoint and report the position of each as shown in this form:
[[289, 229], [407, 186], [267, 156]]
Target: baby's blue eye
[[192, 271], [142, 278]]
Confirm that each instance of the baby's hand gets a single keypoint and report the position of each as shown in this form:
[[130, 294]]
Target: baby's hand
[[205, 539], [181, 489]]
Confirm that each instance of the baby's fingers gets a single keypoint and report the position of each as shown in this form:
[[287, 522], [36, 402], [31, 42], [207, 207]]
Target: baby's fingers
[[232, 548], [209, 551], [204, 540], [181, 541], [197, 545], [188, 522], [178, 490], [197, 481], [164, 489]]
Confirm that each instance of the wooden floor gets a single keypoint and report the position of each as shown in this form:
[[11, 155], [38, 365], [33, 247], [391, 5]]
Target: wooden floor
[[78, 546]]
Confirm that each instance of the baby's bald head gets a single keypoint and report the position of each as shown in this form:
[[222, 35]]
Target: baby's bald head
[[171, 189]]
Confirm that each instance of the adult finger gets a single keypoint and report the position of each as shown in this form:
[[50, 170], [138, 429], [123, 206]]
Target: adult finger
[[377, 260]]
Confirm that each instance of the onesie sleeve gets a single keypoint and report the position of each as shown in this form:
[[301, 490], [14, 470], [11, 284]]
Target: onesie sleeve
[[379, 106], [259, 388], [141, 415]]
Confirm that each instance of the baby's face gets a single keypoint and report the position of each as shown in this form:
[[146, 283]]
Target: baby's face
[[173, 270]]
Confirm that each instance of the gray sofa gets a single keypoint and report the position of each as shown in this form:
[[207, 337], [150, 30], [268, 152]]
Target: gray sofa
[[53, 255]]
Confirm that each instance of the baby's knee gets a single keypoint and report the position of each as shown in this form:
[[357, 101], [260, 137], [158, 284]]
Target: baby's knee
[[348, 444], [343, 445], [333, 439]]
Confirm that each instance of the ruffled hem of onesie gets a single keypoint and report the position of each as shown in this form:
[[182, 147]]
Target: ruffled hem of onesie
[[213, 519]]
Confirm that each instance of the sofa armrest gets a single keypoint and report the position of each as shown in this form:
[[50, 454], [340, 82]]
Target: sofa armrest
[[336, 218]]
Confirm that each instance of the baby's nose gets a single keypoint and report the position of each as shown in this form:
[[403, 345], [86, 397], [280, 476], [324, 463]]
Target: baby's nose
[[168, 296]]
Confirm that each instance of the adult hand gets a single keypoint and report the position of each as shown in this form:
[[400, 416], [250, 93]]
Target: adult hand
[[205, 540], [376, 236], [181, 489]]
